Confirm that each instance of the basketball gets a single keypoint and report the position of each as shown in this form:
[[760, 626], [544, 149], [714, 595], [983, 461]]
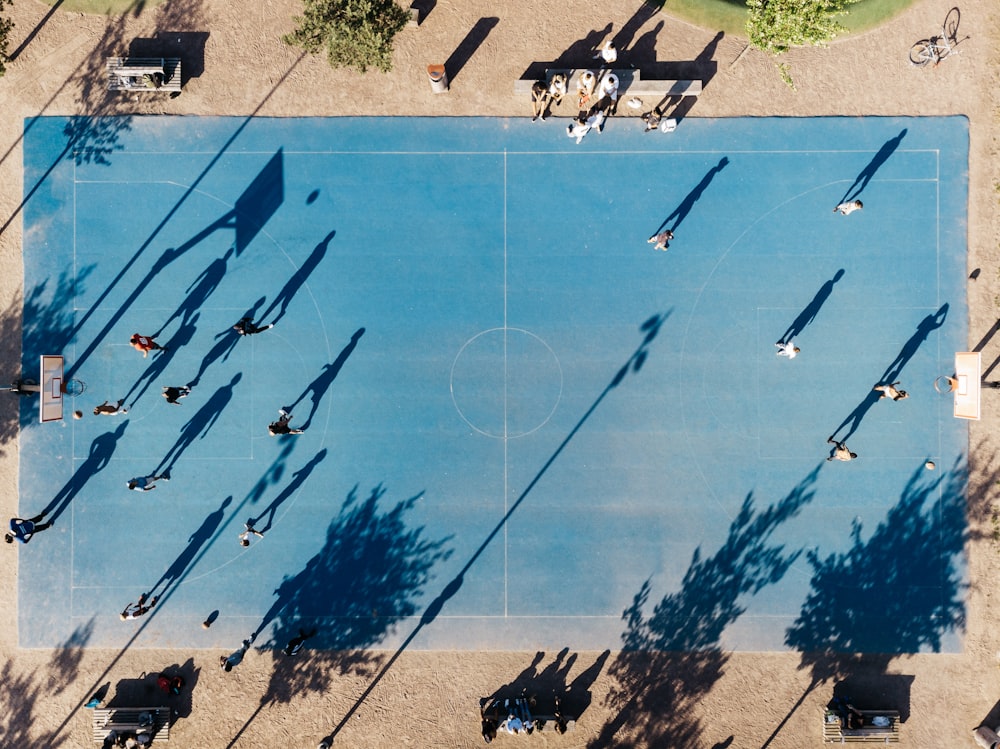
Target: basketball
[[78, 414], [929, 465]]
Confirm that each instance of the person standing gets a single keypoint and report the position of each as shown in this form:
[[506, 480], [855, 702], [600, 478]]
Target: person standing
[[245, 535], [583, 125], [787, 349], [231, 661], [840, 451], [145, 344], [110, 409], [246, 327], [891, 391], [608, 54], [661, 241], [849, 207], [135, 610], [281, 425], [174, 394], [23, 530], [145, 483]]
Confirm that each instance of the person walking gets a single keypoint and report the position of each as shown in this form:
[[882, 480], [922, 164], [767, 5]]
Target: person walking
[[295, 644], [891, 391], [849, 207], [608, 53], [110, 409], [840, 451], [23, 530], [174, 394], [246, 327], [145, 344], [135, 610], [231, 661], [787, 349], [245, 535], [281, 425], [584, 124], [661, 241], [145, 483]]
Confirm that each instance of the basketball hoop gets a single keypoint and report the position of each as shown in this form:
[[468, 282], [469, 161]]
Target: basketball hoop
[[74, 387], [945, 384]]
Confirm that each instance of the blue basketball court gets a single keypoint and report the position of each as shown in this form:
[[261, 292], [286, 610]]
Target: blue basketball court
[[520, 418]]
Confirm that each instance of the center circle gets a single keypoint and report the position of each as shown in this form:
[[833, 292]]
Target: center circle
[[506, 382]]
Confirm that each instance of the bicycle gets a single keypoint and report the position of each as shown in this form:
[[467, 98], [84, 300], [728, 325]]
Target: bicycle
[[937, 48]]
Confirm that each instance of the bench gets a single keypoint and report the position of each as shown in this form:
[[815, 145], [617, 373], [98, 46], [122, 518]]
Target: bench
[[835, 733], [127, 720], [630, 81], [125, 73]]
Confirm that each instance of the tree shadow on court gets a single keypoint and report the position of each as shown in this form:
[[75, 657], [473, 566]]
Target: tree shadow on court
[[298, 478], [866, 174], [898, 591], [161, 358], [321, 384], [671, 658], [292, 286], [354, 592], [253, 209], [101, 450], [682, 210], [199, 425], [226, 343], [24, 693], [179, 567], [928, 325], [812, 309]]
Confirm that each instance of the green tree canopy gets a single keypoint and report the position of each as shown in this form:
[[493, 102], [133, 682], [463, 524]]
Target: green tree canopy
[[776, 26], [5, 28], [356, 33]]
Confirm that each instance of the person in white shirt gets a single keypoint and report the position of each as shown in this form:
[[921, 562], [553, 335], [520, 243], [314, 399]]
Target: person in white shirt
[[585, 89], [890, 391], [557, 88], [608, 53], [787, 349], [840, 451], [849, 207], [583, 125]]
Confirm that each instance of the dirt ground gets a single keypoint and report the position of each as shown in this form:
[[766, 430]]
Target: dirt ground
[[237, 65]]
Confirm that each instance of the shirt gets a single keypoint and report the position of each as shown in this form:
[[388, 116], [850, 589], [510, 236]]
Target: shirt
[[23, 530]]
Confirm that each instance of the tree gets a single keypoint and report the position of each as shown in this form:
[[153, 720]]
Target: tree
[[776, 26], [356, 33], [5, 27]]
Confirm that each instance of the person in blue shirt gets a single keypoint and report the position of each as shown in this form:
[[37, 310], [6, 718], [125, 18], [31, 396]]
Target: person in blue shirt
[[23, 530]]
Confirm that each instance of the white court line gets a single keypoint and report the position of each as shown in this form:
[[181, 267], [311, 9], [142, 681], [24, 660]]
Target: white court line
[[506, 546]]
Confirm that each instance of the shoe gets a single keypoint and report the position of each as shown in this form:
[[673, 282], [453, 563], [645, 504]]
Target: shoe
[[282, 412]]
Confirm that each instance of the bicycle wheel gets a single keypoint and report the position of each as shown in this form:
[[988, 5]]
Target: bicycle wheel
[[951, 25], [922, 52]]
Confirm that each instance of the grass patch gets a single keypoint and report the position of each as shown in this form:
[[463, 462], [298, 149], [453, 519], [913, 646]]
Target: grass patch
[[731, 15], [106, 7]]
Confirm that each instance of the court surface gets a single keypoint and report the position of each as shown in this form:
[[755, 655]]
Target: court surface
[[520, 418]]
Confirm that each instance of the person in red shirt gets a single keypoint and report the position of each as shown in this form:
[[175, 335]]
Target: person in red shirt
[[145, 344]]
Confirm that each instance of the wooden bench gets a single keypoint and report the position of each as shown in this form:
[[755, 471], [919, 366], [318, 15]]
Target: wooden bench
[[126, 73], [835, 733], [663, 88], [127, 720], [626, 78]]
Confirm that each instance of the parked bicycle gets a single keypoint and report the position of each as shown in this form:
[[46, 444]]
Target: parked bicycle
[[937, 48]]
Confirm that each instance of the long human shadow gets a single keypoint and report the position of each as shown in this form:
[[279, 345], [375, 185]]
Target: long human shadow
[[671, 659], [183, 336], [579, 53], [896, 592], [702, 68], [892, 372], [177, 569], [682, 210], [364, 580], [225, 343], [298, 278], [866, 174], [468, 46], [101, 450], [200, 290], [199, 425], [812, 309], [298, 478], [24, 692], [253, 209], [649, 329], [624, 36], [321, 384]]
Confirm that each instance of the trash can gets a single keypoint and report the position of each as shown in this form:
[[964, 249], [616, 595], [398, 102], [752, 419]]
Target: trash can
[[438, 78]]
